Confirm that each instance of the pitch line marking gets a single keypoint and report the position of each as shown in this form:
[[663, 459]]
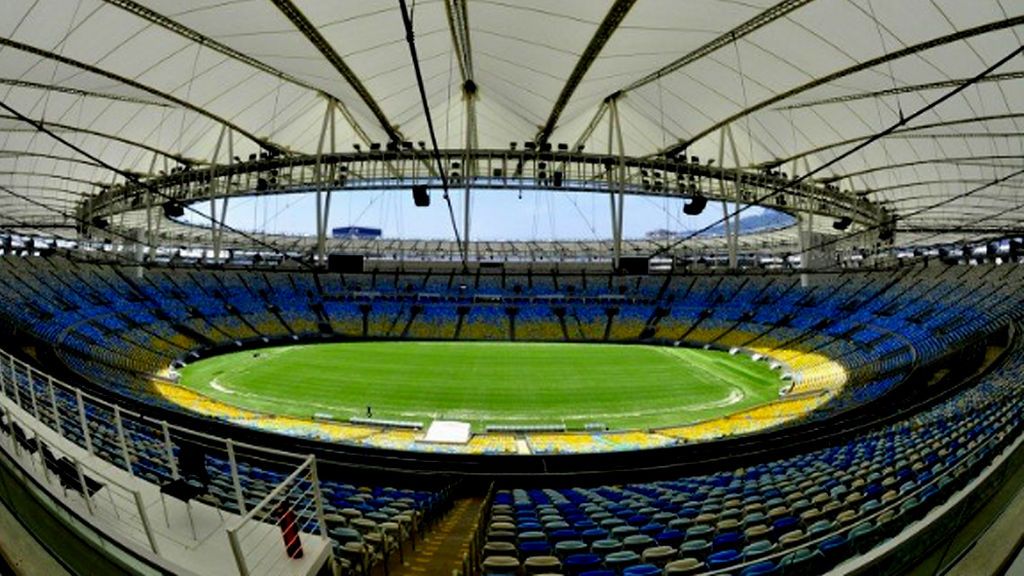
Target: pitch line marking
[[216, 385]]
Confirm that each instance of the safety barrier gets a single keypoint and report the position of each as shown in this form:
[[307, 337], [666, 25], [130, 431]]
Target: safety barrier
[[293, 508], [105, 462]]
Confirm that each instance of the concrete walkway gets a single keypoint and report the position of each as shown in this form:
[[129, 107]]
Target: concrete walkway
[[988, 542], [998, 548], [21, 552]]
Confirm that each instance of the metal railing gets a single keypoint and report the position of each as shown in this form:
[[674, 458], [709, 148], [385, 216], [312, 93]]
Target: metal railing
[[472, 558], [63, 469], [59, 427], [144, 447], [270, 534]]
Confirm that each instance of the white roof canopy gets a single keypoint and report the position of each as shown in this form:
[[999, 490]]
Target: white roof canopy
[[141, 85]]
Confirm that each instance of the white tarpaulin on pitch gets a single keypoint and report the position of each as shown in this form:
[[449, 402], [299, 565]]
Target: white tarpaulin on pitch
[[447, 432]]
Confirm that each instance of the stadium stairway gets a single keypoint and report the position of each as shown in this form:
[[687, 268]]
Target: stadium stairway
[[444, 548]]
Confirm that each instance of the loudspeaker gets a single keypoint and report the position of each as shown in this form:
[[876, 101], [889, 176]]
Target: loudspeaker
[[992, 251], [634, 265], [345, 263], [695, 206], [420, 196], [843, 223], [886, 231], [172, 209]]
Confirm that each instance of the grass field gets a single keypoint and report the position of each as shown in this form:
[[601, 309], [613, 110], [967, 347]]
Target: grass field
[[489, 383]]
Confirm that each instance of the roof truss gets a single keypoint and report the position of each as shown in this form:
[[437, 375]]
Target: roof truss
[[608, 26], [859, 67], [299, 20], [7, 42]]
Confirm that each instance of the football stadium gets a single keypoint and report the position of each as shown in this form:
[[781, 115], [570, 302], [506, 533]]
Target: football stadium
[[511, 287]]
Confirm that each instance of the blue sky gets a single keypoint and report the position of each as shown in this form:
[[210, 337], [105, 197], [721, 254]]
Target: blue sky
[[497, 214]]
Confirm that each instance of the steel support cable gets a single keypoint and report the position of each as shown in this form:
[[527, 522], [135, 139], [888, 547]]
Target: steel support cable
[[7, 42], [858, 67], [904, 133], [950, 200], [152, 189], [901, 122], [913, 88], [411, 40], [316, 39], [96, 133], [65, 215], [968, 225]]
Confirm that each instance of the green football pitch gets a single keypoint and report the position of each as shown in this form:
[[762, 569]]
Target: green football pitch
[[622, 386]]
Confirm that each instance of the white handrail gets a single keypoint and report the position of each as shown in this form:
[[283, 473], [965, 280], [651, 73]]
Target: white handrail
[[273, 493], [137, 522]]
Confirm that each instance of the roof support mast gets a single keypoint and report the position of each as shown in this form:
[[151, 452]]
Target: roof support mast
[[220, 223], [732, 229], [213, 194], [594, 122], [616, 179], [333, 178], [457, 12], [324, 180], [150, 237], [468, 164]]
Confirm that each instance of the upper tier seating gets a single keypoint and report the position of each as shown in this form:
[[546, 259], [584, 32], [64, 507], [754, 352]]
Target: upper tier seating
[[845, 341]]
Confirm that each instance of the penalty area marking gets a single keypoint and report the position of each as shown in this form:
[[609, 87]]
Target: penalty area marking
[[219, 388], [735, 395]]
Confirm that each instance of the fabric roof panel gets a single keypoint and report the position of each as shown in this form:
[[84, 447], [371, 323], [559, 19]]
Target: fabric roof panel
[[523, 54]]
